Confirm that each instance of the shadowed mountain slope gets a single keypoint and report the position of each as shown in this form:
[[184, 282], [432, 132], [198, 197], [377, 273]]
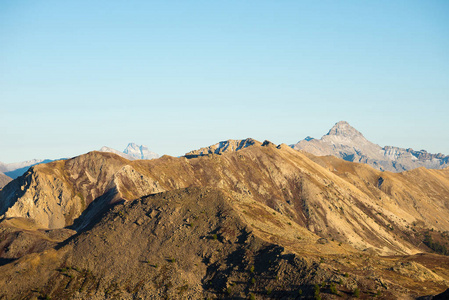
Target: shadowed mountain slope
[[385, 212], [200, 243], [4, 180]]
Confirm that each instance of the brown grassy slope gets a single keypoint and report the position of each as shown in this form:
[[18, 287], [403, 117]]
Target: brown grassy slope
[[200, 242], [423, 193], [20, 236], [344, 204], [312, 196], [179, 244]]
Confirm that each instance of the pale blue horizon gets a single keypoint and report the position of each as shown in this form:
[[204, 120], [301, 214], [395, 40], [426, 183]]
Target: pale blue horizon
[[180, 75]]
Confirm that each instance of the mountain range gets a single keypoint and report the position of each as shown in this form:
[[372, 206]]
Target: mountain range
[[14, 170], [346, 142], [239, 219]]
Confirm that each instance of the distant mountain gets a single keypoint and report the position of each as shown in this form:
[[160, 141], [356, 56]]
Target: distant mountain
[[111, 150], [17, 169], [223, 147], [139, 152], [346, 142], [4, 180], [132, 152]]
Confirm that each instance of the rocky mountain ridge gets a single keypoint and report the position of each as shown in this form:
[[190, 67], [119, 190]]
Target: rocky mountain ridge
[[223, 147], [250, 220], [72, 192], [346, 142]]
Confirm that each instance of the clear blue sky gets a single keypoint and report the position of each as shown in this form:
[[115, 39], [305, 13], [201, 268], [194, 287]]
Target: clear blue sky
[[179, 75]]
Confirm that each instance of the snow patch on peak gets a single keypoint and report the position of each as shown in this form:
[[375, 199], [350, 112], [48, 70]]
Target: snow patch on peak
[[132, 152], [111, 150], [139, 152]]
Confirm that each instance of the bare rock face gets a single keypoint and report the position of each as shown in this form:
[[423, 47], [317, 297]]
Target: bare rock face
[[223, 147], [346, 142], [56, 194]]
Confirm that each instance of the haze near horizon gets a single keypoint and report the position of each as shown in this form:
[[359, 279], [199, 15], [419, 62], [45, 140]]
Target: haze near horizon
[[177, 76]]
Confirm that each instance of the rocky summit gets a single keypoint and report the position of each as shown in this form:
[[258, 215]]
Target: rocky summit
[[223, 147], [346, 142], [250, 221]]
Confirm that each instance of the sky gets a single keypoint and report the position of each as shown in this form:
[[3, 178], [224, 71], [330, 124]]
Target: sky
[[180, 75]]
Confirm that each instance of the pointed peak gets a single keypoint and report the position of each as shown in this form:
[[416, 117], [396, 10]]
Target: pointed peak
[[132, 145], [343, 128], [139, 152]]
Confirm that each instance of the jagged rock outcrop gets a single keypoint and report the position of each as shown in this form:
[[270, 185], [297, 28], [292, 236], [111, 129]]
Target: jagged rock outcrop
[[346, 142], [223, 147]]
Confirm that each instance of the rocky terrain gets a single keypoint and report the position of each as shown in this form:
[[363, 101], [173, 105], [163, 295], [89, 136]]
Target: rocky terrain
[[346, 142], [251, 220], [223, 147], [133, 152]]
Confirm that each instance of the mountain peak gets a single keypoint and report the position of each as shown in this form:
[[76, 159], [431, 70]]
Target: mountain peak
[[132, 152], [139, 152], [343, 128]]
